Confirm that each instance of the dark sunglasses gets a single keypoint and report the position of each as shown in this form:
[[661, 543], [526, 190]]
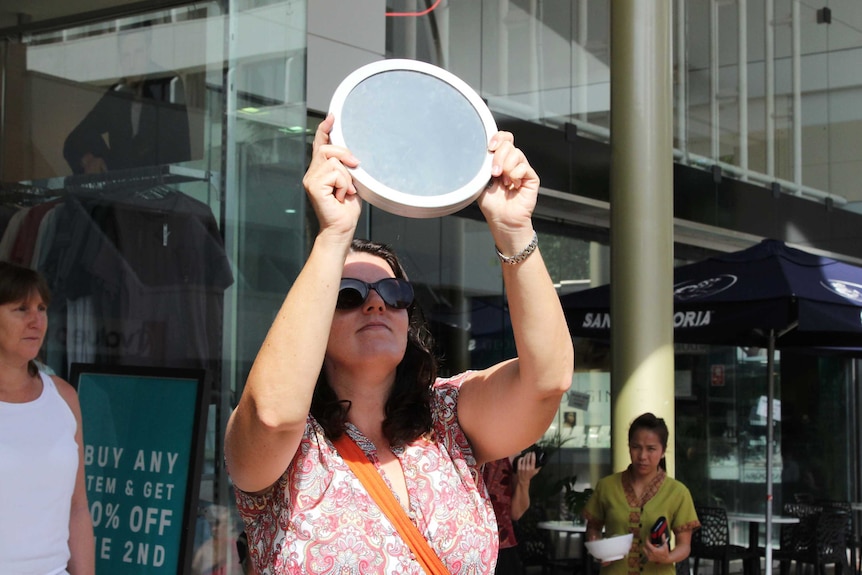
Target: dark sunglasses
[[397, 293]]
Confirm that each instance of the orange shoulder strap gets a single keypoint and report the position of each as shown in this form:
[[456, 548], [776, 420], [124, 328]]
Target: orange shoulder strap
[[380, 492]]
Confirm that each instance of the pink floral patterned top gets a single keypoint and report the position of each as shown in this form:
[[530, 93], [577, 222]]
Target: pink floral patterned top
[[318, 518]]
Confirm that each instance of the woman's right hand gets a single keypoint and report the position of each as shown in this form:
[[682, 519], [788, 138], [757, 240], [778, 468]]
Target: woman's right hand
[[329, 184]]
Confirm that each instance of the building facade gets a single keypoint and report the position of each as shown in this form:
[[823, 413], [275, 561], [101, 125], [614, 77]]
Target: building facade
[[151, 157]]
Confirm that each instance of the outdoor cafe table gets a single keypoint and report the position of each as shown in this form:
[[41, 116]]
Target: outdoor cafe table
[[754, 520], [570, 529]]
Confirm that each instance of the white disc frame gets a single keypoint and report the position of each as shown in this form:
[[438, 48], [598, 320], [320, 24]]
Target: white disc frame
[[420, 133]]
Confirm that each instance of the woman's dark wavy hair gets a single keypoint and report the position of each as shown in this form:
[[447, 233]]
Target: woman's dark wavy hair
[[408, 408], [18, 283], [655, 424]]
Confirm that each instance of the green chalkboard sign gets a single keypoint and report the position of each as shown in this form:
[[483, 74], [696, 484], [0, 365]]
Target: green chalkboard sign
[[143, 449]]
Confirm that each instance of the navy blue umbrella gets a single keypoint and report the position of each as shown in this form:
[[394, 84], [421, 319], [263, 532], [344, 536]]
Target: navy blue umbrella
[[738, 298], [769, 295]]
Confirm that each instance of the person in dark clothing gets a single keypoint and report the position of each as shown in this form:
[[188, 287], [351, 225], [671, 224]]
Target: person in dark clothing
[[508, 485]]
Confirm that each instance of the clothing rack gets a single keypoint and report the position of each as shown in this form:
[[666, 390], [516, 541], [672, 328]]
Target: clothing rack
[[140, 178], [24, 195]]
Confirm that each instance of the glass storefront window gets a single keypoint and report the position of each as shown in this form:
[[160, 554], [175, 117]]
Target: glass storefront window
[[724, 460], [721, 426], [150, 168]]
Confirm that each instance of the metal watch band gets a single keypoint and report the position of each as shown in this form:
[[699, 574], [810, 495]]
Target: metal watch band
[[522, 255]]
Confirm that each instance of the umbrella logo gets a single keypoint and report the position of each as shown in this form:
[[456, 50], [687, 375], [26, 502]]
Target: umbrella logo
[[847, 290], [696, 289]]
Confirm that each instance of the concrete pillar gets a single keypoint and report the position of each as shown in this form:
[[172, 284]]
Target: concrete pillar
[[641, 218]]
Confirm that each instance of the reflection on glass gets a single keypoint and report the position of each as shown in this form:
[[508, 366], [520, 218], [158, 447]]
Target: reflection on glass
[[426, 149], [140, 121]]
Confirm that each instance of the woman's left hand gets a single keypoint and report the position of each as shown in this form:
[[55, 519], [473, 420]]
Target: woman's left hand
[[510, 198], [657, 553]]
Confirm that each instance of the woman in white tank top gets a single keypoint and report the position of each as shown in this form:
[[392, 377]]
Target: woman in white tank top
[[44, 518]]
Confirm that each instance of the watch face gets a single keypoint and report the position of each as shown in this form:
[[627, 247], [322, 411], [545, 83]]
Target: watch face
[[420, 133]]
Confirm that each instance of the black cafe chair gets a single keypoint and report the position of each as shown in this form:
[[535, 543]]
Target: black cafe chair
[[712, 541], [796, 539], [849, 528], [684, 567], [834, 534], [818, 540]]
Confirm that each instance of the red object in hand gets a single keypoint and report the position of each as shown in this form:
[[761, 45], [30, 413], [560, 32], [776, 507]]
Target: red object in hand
[[658, 531]]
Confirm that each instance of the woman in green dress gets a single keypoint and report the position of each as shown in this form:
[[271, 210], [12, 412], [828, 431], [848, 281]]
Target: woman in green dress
[[632, 500]]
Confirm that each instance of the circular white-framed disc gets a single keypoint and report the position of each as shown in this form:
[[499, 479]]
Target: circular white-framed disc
[[420, 133]]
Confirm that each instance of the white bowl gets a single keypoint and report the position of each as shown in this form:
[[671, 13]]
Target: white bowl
[[610, 549]]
